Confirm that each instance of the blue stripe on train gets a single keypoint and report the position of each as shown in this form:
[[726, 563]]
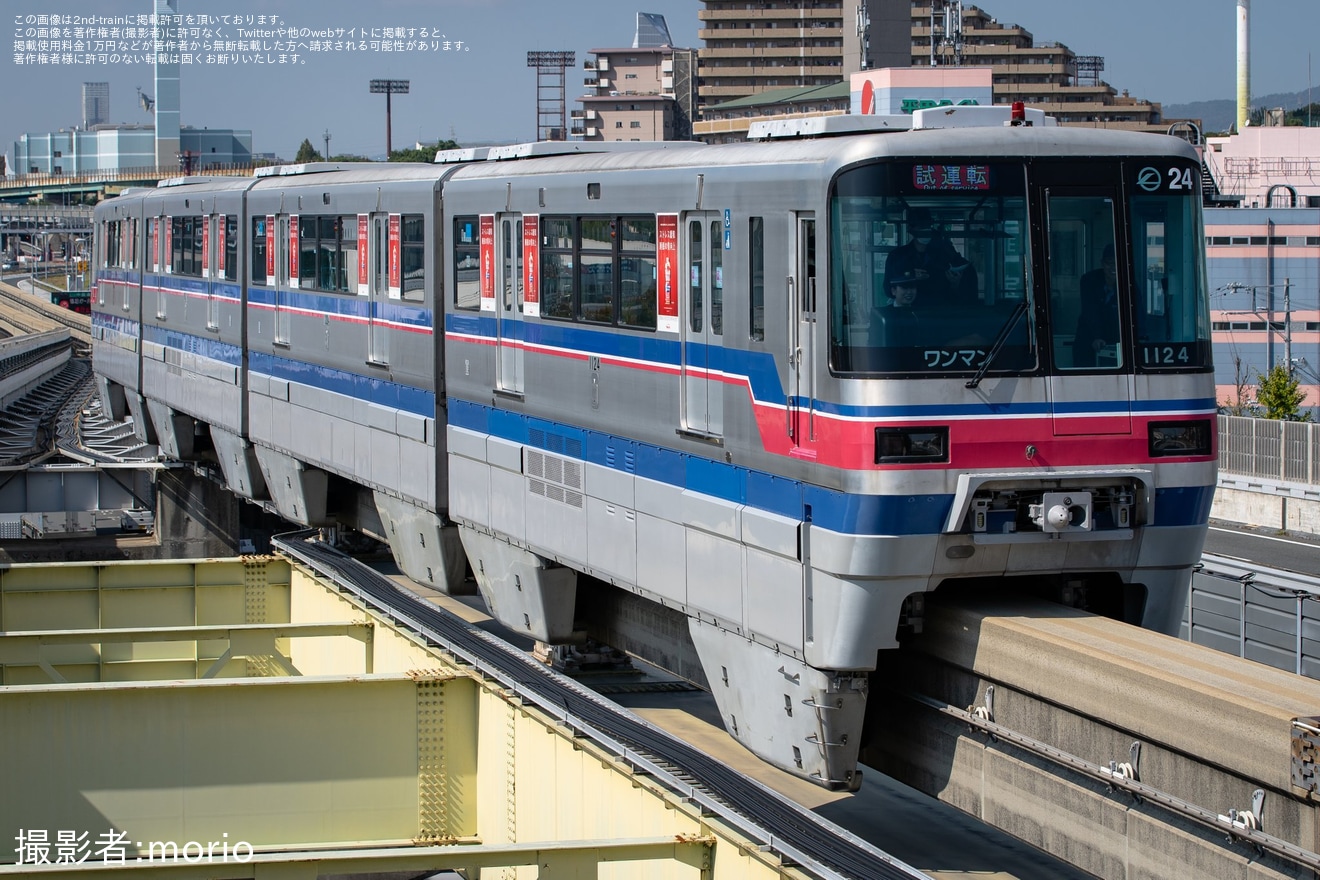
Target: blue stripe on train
[[838, 511], [198, 345], [369, 388]]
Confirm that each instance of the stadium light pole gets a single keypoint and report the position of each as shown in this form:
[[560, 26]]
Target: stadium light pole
[[388, 87], [551, 108]]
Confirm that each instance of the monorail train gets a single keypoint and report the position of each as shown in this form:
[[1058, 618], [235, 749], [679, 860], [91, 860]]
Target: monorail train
[[672, 396]]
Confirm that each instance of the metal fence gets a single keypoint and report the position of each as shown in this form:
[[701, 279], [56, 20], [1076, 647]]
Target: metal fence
[[1270, 449], [1266, 615]]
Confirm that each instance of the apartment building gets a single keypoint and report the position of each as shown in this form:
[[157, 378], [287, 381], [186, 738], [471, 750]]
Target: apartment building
[[754, 47], [643, 92], [771, 45], [637, 94], [1046, 75]]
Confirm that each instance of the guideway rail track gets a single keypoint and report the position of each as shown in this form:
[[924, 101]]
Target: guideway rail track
[[1115, 778], [45, 315], [812, 844]]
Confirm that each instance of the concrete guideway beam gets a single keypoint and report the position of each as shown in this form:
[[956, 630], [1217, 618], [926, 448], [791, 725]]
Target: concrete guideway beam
[[1072, 692]]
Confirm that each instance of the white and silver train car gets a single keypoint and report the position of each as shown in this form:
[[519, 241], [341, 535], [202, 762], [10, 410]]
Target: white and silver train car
[[671, 398]]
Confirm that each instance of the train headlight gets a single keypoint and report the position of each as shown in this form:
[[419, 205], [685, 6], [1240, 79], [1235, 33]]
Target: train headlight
[[1179, 438], [926, 445]]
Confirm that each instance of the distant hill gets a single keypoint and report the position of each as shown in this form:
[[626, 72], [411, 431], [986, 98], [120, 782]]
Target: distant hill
[[1219, 115]]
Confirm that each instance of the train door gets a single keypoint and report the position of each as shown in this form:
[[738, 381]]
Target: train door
[[282, 281], [380, 251], [509, 306], [802, 334], [1086, 267], [703, 324], [162, 228]]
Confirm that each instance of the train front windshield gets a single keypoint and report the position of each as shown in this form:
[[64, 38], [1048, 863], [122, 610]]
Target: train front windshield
[[934, 265]]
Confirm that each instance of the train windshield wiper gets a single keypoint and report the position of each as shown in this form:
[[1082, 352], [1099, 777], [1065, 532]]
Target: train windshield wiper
[[1002, 338]]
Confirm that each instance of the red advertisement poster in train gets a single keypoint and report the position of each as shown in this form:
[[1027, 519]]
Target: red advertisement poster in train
[[220, 247], [293, 250], [169, 244], [206, 246], [396, 282], [531, 245], [487, 238], [270, 249], [362, 254], [666, 252], [155, 245]]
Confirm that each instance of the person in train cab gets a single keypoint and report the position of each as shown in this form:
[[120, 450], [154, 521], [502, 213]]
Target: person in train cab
[[902, 291], [944, 277], [1097, 322]]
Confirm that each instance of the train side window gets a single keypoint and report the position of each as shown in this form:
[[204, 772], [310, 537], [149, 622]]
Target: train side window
[[756, 272], [467, 263], [258, 261], [413, 257], [108, 254], [231, 247], [174, 259], [557, 267], [716, 281], [194, 245], [345, 264], [637, 273], [695, 270], [596, 269], [309, 254]]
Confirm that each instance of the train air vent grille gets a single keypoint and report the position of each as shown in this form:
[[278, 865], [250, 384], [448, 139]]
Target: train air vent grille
[[554, 478]]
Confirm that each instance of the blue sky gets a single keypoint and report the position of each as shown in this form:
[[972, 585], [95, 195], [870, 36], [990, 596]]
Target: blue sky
[[1171, 51]]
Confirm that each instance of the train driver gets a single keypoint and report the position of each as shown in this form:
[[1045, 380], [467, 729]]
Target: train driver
[[944, 277]]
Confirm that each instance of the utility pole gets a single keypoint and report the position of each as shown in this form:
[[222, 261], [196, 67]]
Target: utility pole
[[326, 136], [1287, 326]]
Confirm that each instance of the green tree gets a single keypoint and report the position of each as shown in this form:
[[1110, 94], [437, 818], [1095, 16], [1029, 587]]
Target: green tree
[[425, 153], [1279, 394], [307, 152], [1308, 115]]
